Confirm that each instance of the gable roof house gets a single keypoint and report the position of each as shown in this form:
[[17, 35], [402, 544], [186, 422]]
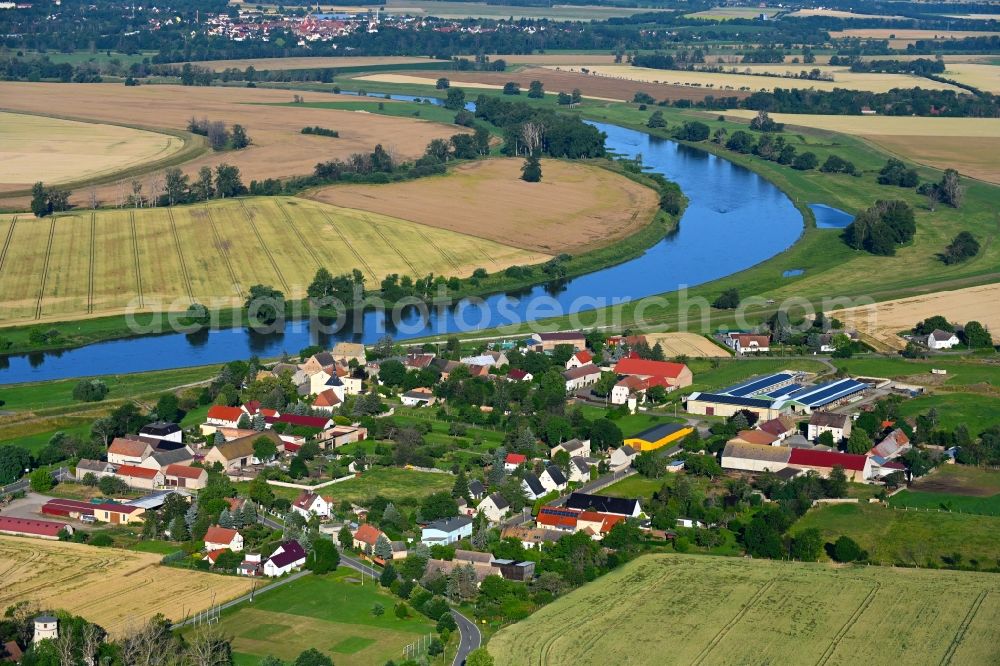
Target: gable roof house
[[532, 487], [754, 457], [579, 359], [140, 477], [287, 557], [939, 339], [858, 468], [487, 359], [839, 425], [519, 375], [221, 416], [895, 444], [365, 538], [223, 538], [578, 378], [618, 506], [495, 507], [622, 457], [124, 451], [185, 476], [512, 461], [161, 459], [418, 397], [748, 343], [549, 341], [446, 530], [553, 479], [476, 489], [98, 468], [781, 427], [665, 373], [755, 437], [163, 430], [574, 447], [238, 453], [345, 352], [310, 504], [579, 469], [531, 537], [317, 362]]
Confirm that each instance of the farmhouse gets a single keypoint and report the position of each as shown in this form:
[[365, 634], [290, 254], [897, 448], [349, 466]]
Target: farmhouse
[[621, 458], [579, 359], [185, 476], [160, 459], [557, 518], [577, 378], [128, 451], [719, 404], [446, 530], [594, 523], [445, 567], [531, 487], [781, 427], [223, 538], [140, 477], [418, 397], [42, 529], [939, 339], [345, 352], [340, 435], [895, 444], [618, 506], [327, 400], [221, 416], [98, 468], [547, 342], [518, 375], [312, 504], [163, 430], [662, 373], [513, 460], [494, 507], [755, 457], [858, 468], [657, 436], [755, 437], [287, 557], [238, 453], [580, 467], [839, 425], [365, 538], [748, 343]]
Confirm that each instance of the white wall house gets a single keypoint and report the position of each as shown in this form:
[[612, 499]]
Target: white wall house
[[941, 340]]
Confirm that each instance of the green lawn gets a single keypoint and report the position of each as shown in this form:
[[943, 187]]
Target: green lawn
[[159, 547], [631, 424], [636, 486], [960, 372], [958, 488], [910, 537], [424, 111], [976, 411], [732, 371], [394, 483], [984, 506], [331, 613]]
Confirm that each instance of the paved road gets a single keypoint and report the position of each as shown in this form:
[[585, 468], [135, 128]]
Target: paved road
[[60, 474]]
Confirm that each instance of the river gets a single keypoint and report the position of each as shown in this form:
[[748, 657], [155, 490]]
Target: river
[[734, 220]]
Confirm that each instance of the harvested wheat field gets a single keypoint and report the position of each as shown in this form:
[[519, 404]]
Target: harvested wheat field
[[884, 320], [686, 344], [114, 588], [697, 609], [555, 79], [279, 148], [575, 208], [729, 13], [85, 263], [978, 75], [34, 148], [836, 13], [335, 62], [900, 38], [716, 81]]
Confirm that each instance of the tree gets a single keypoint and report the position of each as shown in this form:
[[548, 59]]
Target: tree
[[176, 186], [168, 407], [859, 442], [39, 200], [460, 490], [976, 335], [90, 390], [479, 657], [693, 131], [952, 192], [442, 84], [511, 88], [203, 188], [438, 505], [239, 139], [228, 182], [536, 90], [846, 549], [727, 300], [265, 304], [312, 657], [805, 161], [455, 99], [388, 573], [14, 460], [260, 491], [807, 545], [41, 481], [531, 171], [324, 557], [345, 538], [264, 449], [963, 247]]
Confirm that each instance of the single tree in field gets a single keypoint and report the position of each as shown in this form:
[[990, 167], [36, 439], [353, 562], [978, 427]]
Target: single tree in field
[[531, 171], [535, 90]]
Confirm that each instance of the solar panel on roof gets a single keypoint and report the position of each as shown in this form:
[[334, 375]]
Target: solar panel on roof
[[757, 384], [784, 391], [734, 400], [823, 394], [565, 513]]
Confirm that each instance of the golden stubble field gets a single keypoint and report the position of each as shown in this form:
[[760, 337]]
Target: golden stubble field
[[686, 344], [34, 148], [117, 589], [884, 320], [696, 609], [574, 208], [83, 264], [279, 148], [335, 62], [899, 38]]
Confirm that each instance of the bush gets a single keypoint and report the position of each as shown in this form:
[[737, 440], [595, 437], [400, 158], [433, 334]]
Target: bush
[[101, 540], [846, 549], [805, 162], [728, 300], [320, 131], [90, 390], [835, 164]]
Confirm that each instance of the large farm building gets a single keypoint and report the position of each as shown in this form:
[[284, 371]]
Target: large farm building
[[771, 396]]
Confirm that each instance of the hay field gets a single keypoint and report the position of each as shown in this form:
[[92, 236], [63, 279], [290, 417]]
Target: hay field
[[884, 320], [900, 38], [983, 76], [725, 13], [279, 148], [686, 344], [676, 609], [34, 148], [114, 588], [969, 145], [836, 13], [573, 209], [278, 64], [82, 263], [422, 80], [715, 81]]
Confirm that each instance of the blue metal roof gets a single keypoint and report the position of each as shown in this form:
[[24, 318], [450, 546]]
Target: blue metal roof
[[824, 394], [757, 384], [784, 391]]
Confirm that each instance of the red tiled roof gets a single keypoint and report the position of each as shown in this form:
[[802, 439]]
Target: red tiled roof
[[367, 534], [756, 436], [515, 458], [185, 471], [213, 555], [517, 374], [811, 458], [292, 447], [745, 339], [641, 366], [607, 520], [217, 534], [327, 398], [30, 526], [584, 356], [223, 413], [127, 447], [137, 472]]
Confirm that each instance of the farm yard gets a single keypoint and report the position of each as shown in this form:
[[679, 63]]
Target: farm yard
[[713, 82], [115, 588], [687, 344], [34, 148], [86, 263], [574, 208], [883, 321], [331, 613], [278, 148], [765, 612]]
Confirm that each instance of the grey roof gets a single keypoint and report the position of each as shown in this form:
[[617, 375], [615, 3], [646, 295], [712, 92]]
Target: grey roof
[[828, 420], [534, 484], [477, 488], [658, 432], [164, 458], [448, 525], [581, 371], [572, 445], [93, 465], [556, 474], [627, 450], [161, 428], [943, 336], [581, 464], [324, 358], [500, 501], [797, 441]]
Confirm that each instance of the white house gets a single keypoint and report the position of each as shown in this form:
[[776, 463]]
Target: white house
[[487, 359], [939, 339], [288, 557], [532, 487], [163, 430], [446, 531], [574, 447], [494, 507], [553, 479], [578, 378], [839, 425], [748, 343], [418, 397], [622, 457], [223, 538], [579, 469], [579, 359], [312, 504]]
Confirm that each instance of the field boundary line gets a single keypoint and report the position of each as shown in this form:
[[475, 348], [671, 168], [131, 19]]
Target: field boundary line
[[855, 616], [385, 238], [135, 251], [302, 239], [93, 260], [6, 243], [45, 269], [346, 242], [224, 251], [267, 250], [489, 257], [733, 622], [963, 627], [180, 254]]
